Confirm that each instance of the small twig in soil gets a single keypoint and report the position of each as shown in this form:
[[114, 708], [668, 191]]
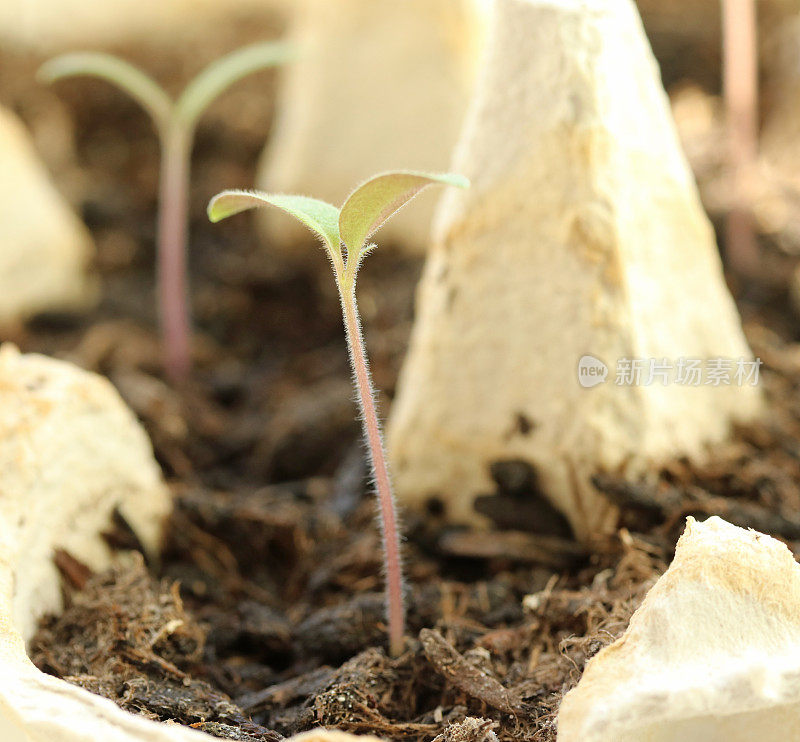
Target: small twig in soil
[[515, 546], [76, 573], [461, 673], [671, 504]]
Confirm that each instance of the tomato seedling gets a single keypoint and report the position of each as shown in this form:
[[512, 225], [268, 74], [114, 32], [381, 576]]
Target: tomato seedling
[[175, 121], [345, 235]]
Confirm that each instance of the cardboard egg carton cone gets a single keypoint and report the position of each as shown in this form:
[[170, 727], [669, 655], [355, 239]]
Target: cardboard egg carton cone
[[581, 247], [45, 250]]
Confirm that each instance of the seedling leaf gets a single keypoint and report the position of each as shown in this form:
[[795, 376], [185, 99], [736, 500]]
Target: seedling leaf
[[365, 210], [175, 122], [143, 89], [319, 216], [371, 204], [222, 73]]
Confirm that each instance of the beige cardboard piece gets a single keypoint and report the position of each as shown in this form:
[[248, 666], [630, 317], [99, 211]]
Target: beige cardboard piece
[[44, 249], [582, 235], [712, 654]]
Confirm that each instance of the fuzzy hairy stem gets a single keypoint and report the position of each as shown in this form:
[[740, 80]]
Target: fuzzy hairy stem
[[173, 290], [395, 608]]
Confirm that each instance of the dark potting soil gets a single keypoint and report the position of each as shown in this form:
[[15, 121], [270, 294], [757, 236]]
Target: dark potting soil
[[264, 617]]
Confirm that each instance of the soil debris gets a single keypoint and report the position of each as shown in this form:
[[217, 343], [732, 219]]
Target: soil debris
[[265, 615], [465, 676], [472, 729], [126, 636]]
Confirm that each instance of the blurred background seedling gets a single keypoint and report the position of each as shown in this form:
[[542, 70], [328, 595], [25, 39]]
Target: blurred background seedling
[[740, 90], [175, 122]]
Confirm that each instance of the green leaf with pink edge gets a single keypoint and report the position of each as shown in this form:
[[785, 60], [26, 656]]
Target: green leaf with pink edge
[[372, 203]]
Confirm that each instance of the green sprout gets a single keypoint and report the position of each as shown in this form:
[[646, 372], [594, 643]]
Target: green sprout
[[175, 121], [345, 233]]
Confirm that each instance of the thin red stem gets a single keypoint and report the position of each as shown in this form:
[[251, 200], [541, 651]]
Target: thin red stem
[[395, 608], [173, 217], [740, 87]]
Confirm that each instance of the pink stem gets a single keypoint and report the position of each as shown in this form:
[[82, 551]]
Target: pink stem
[[395, 609], [173, 217], [740, 87]]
